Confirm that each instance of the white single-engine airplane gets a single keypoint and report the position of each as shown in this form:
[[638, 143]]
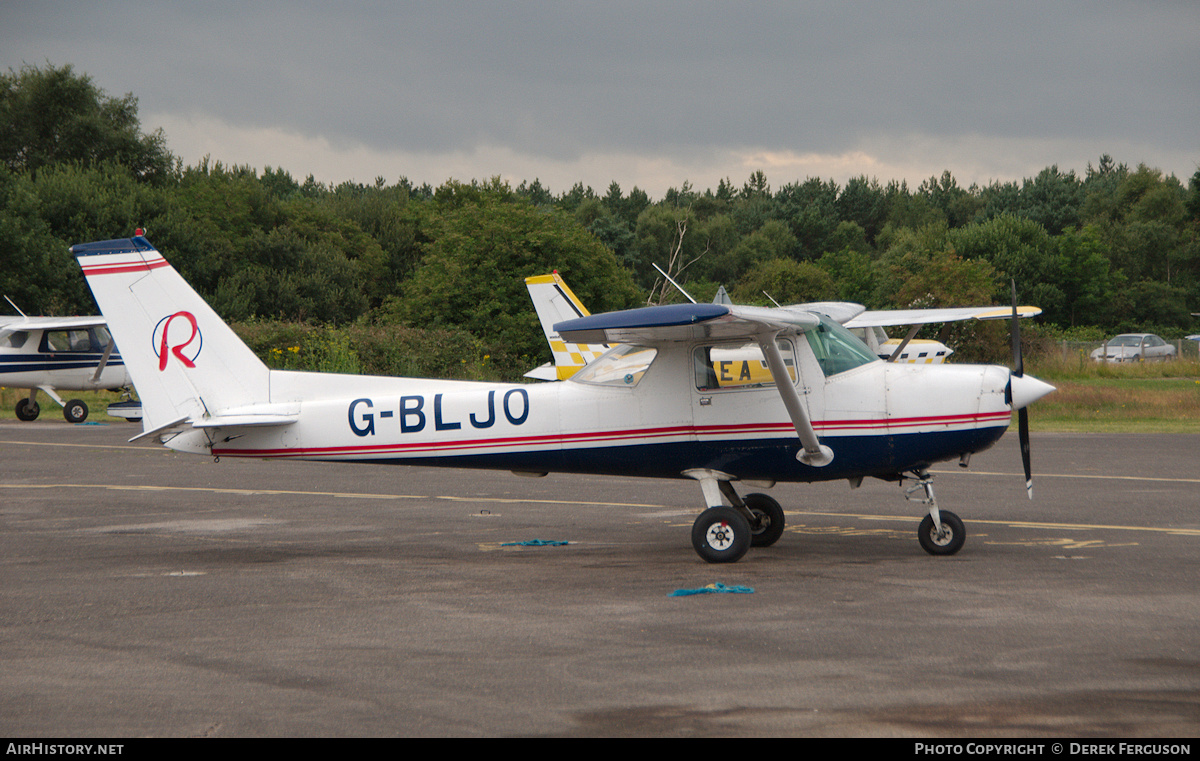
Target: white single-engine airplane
[[59, 354], [555, 303], [648, 407]]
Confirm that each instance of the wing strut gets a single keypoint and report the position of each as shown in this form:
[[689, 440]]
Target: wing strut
[[911, 334], [108, 350], [814, 453]]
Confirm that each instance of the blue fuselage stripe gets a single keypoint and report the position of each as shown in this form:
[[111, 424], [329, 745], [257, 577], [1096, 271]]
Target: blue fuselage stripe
[[763, 459], [34, 363]]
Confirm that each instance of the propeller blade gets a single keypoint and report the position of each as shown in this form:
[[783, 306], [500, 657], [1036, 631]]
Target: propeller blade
[[1018, 361], [1023, 411], [1023, 435]]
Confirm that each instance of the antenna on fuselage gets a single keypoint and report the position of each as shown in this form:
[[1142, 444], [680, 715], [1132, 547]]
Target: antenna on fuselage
[[678, 287], [14, 306]]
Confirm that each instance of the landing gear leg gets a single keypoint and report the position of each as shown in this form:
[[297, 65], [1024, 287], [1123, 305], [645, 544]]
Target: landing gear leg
[[724, 534], [941, 532]]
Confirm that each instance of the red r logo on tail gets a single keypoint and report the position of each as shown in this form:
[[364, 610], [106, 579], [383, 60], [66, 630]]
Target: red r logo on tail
[[164, 348]]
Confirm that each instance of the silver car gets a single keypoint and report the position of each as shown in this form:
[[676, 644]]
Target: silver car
[[1134, 347]]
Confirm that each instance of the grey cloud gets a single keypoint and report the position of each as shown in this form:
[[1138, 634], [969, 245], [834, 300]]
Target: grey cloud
[[562, 79]]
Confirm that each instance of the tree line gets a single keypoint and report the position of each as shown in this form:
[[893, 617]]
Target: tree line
[[1114, 249]]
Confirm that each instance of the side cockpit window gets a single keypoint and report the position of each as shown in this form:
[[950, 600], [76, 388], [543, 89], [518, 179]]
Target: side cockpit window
[[76, 340], [734, 366], [15, 340]]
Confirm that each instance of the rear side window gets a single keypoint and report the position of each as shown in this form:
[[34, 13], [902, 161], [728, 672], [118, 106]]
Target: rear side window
[[76, 340]]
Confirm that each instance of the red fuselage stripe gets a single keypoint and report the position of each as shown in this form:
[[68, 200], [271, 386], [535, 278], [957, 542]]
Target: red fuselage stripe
[[631, 437]]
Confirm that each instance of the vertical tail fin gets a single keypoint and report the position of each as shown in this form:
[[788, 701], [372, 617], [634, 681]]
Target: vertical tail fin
[[555, 303], [185, 362]]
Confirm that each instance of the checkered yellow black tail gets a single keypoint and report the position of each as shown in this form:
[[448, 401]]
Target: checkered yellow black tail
[[555, 303]]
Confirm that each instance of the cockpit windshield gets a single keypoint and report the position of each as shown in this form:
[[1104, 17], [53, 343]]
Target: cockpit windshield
[[837, 349], [624, 366]]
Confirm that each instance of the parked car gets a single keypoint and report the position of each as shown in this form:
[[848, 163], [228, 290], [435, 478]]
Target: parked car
[[1134, 347]]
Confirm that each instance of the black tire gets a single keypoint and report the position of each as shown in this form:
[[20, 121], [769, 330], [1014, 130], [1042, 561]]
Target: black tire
[[75, 411], [951, 541], [721, 535], [768, 527], [27, 410]]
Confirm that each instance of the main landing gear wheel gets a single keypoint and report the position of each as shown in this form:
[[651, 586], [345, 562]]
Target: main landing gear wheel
[[949, 541], [721, 535], [767, 527], [75, 411], [27, 410]]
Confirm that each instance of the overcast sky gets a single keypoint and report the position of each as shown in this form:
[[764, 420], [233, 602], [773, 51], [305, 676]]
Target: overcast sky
[[647, 94]]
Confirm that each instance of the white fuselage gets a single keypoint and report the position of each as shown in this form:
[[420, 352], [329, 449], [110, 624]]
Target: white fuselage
[[879, 419]]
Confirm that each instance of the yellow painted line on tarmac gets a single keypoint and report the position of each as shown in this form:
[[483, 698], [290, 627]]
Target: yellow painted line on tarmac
[[936, 472], [84, 446], [1050, 526], [213, 490], [1086, 476], [1056, 526], [340, 495], [1035, 525]]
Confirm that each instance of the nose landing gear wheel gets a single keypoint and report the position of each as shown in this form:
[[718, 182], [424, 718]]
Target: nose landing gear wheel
[[721, 535], [75, 411], [949, 541]]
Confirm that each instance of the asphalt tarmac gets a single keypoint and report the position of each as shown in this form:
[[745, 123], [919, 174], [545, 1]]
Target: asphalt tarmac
[[145, 593]]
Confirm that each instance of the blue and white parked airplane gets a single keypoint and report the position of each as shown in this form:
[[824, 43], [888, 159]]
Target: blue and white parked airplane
[[53, 354], [649, 407]]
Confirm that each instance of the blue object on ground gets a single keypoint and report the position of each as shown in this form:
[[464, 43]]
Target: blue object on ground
[[534, 543], [716, 588]]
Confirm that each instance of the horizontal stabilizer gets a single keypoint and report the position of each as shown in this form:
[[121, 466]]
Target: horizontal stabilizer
[[251, 415], [175, 426]]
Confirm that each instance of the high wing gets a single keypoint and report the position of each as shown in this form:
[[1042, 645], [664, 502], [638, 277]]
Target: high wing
[[893, 317], [872, 324], [10, 325], [688, 322]]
